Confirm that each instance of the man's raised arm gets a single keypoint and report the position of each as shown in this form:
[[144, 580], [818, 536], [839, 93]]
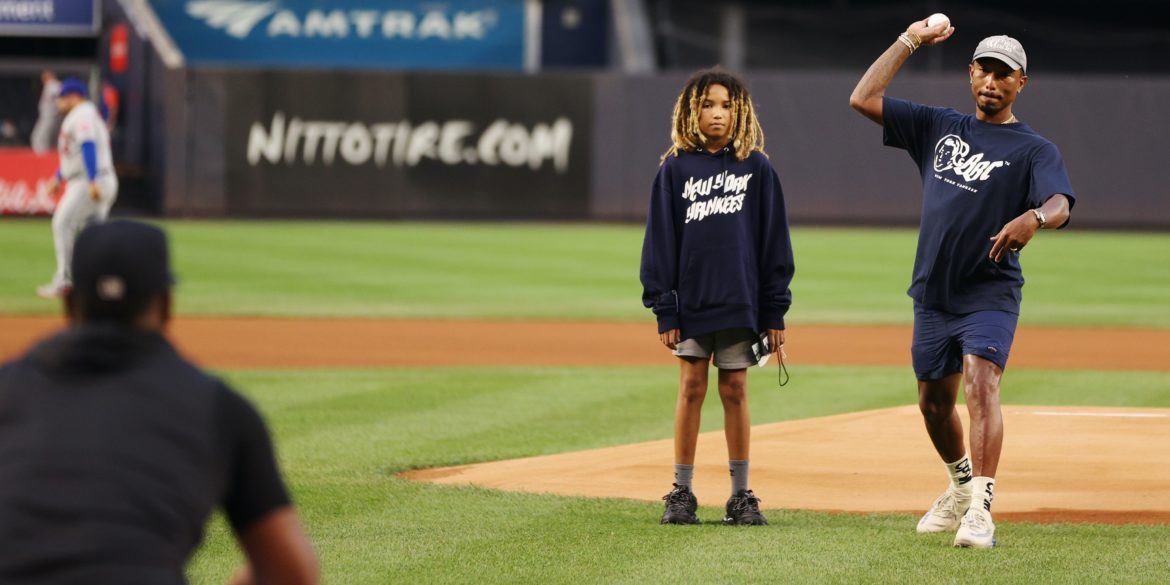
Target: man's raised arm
[[867, 96]]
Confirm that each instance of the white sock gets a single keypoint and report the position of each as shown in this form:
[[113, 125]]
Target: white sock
[[982, 492], [960, 472]]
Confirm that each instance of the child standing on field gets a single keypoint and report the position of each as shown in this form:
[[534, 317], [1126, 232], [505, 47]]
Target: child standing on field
[[716, 265]]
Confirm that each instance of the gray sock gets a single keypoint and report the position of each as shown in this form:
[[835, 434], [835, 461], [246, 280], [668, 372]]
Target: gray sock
[[739, 475], [684, 475]]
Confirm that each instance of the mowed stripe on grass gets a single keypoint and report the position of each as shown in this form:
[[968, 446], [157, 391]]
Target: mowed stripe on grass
[[575, 272]]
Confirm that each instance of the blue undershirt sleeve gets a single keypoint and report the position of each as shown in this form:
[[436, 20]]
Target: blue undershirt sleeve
[[89, 154]]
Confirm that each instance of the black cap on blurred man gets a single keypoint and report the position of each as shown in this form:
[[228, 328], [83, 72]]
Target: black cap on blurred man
[[114, 450], [121, 274]]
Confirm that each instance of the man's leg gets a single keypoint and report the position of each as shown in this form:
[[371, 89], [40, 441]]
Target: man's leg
[[981, 381], [108, 186], [70, 216], [937, 364], [987, 340], [936, 401]]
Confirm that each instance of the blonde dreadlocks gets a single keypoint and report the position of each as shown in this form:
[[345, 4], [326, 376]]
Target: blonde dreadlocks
[[746, 133]]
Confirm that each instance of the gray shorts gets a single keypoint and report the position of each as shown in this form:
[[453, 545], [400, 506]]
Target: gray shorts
[[732, 348]]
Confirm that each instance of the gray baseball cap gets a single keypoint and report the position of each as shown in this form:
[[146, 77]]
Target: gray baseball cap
[[1005, 49]]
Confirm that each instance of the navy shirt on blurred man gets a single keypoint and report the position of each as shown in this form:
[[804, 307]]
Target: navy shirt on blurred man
[[114, 450]]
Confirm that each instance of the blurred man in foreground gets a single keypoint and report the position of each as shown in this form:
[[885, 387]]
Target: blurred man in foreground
[[114, 450]]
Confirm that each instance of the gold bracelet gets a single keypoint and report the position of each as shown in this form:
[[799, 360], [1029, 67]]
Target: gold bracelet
[[917, 40], [905, 40]]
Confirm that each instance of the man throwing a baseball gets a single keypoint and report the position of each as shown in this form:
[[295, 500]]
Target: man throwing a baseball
[[989, 183], [87, 170]]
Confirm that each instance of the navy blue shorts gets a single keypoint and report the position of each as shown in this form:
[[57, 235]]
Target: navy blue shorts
[[942, 339]]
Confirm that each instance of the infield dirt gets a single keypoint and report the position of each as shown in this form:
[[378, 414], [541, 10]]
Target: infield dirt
[[308, 343]]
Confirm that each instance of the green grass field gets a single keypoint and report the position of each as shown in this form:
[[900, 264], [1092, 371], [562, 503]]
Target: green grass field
[[343, 434], [575, 271]]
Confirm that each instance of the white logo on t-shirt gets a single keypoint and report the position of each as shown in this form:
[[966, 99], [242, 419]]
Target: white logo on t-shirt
[[951, 154]]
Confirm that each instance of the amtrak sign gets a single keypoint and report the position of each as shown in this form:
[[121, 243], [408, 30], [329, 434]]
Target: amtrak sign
[[348, 33], [240, 18]]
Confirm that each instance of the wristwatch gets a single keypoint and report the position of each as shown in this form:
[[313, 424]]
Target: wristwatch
[[1040, 217]]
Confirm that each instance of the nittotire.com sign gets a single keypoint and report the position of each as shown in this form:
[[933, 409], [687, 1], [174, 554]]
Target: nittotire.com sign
[[406, 145]]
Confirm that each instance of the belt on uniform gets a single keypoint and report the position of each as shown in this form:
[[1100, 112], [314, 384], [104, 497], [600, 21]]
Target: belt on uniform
[[99, 175]]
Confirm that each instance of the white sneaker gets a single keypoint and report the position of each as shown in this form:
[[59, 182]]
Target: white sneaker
[[976, 530], [53, 290], [945, 514]]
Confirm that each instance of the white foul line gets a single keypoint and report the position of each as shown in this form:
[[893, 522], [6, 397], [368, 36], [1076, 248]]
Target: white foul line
[[1104, 414]]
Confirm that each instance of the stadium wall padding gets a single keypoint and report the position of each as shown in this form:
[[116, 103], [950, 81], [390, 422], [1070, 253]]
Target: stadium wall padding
[[353, 144], [586, 146]]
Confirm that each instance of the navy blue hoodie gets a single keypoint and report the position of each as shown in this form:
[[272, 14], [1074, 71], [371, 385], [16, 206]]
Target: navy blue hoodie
[[717, 254]]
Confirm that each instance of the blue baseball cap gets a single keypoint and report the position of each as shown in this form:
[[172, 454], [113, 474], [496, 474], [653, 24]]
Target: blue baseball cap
[[74, 85]]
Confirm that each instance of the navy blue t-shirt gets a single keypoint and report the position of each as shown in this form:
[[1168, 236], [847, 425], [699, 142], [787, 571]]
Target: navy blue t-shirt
[[976, 177], [717, 253]]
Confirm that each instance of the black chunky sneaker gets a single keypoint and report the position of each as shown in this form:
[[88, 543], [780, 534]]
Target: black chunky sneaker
[[743, 509], [680, 506]]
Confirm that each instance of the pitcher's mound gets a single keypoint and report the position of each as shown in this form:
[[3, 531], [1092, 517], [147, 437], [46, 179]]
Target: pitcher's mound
[[1060, 464]]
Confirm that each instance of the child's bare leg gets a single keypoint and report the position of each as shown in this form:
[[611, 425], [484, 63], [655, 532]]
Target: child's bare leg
[[692, 388], [737, 422]]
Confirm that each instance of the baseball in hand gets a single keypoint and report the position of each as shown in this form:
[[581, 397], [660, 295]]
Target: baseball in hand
[[938, 18]]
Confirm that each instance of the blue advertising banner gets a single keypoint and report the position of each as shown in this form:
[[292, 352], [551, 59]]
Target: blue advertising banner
[[390, 34], [49, 18]]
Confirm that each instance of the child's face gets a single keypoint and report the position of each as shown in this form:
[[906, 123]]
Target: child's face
[[715, 115]]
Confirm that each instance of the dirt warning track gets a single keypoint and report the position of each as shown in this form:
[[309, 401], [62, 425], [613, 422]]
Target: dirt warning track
[[309, 343]]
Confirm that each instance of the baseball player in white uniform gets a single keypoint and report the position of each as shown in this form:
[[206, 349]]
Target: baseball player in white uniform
[[87, 168]]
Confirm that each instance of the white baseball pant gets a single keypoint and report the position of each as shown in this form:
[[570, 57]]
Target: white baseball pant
[[74, 212]]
